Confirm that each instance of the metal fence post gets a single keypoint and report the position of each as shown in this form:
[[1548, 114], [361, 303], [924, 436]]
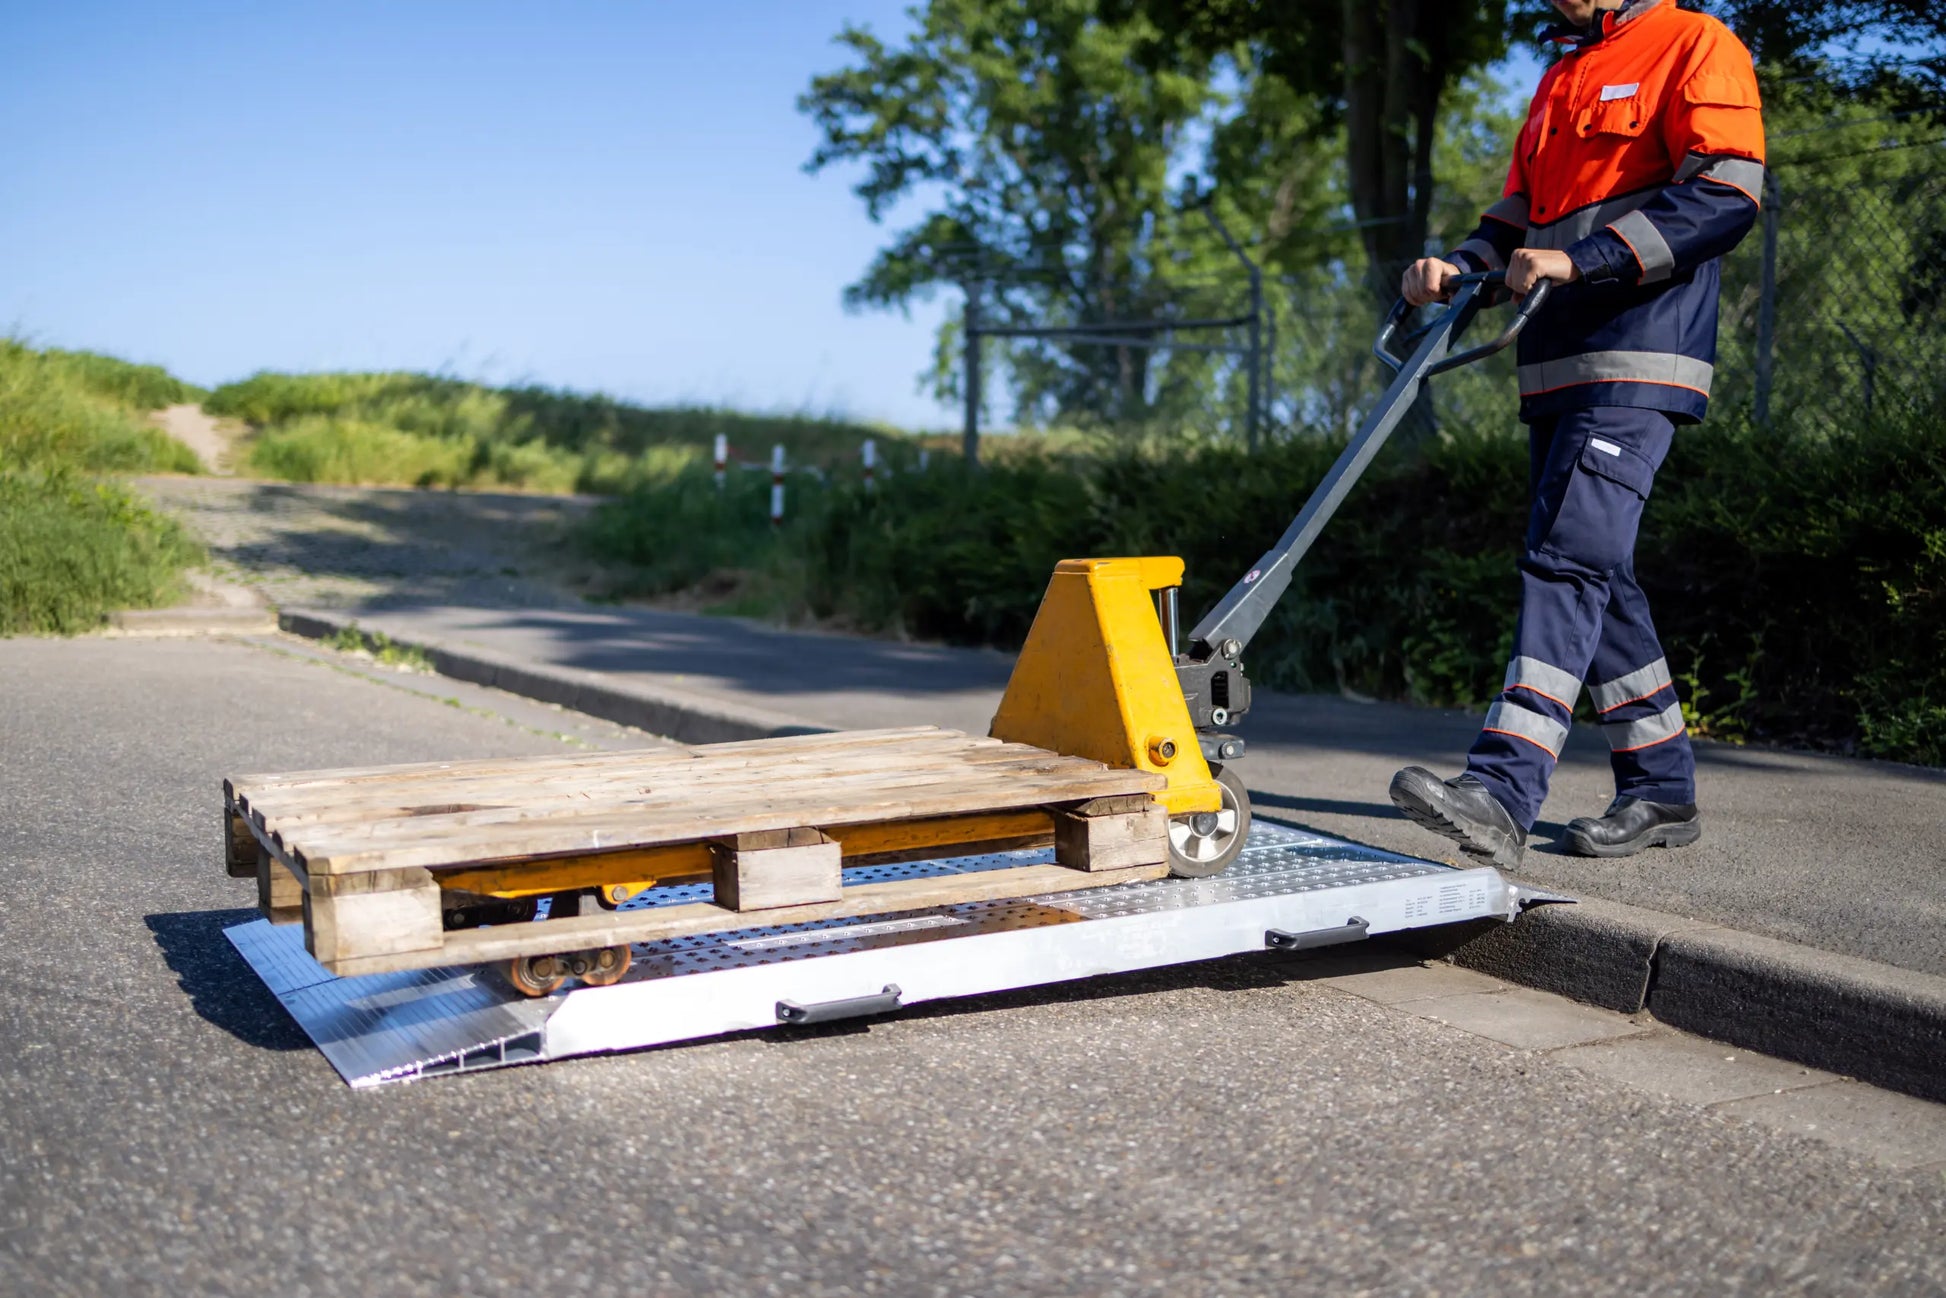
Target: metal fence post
[[1254, 350], [970, 436], [777, 485], [1767, 298]]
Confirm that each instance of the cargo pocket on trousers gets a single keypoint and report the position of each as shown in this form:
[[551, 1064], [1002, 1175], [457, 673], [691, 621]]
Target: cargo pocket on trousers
[[1619, 464], [1601, 508]]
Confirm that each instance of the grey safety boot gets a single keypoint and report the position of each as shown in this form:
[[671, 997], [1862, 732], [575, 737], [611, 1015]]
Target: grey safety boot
[[1631, 824], [1460, 809]]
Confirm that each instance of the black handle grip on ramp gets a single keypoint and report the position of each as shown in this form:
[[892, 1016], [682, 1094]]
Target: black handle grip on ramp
[[855, 1007], [1352, 930]]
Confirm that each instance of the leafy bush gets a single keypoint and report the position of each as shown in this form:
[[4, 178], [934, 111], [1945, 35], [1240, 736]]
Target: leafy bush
[[72, 549], [423, 430], [1799, 583]]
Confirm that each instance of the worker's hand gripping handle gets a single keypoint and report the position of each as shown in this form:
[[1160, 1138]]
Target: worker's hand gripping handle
[[1461, 306]]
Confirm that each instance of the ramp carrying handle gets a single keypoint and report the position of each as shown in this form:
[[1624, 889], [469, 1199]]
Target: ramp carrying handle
[[1464, 303], [1352, 930], [854, 1007]]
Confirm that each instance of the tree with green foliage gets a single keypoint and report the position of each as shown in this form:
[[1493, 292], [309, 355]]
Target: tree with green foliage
[[1379, 74], [1045, 152]]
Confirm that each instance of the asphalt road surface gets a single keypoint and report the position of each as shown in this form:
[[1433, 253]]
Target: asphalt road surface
[[1240, 1127]]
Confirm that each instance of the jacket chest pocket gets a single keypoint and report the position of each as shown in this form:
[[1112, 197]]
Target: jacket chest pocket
[[1614, 120]]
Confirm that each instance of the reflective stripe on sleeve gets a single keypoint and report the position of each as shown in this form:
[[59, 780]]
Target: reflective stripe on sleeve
[[1627, 736], [1488, 254], [1511, 210], [1745, 174], [1632, 688], [1579, 224], [1544, 679], [1616, 367], [1650, 248], [1505, 718]]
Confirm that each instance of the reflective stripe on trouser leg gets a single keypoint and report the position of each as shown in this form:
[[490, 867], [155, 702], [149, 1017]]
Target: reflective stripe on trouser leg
[[1626, 691], [1514, 718], [1581, 530], [1632, 687], [1544, 679], [1644, 732]]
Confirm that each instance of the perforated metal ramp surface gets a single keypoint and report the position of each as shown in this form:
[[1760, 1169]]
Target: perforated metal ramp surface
[[395, 1027]]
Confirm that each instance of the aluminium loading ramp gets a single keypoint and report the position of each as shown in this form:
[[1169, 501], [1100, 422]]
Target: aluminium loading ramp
[[1291, 888]]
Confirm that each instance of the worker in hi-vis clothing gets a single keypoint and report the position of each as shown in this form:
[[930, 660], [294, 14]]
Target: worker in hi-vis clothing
[[1640, 165]]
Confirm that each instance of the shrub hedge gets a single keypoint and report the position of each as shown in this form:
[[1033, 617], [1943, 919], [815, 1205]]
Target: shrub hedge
[[1799, 584]]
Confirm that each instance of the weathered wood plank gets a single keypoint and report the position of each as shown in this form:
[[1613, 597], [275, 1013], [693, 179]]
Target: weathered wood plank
[[351, 775], [635, 829], [512, 785], [503, 942], [1034, 779]]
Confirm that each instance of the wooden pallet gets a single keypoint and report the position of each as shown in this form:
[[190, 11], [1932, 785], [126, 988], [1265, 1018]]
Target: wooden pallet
[[371, 858]]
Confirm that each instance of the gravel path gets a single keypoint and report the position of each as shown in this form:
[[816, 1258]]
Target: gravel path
[[380, 547]]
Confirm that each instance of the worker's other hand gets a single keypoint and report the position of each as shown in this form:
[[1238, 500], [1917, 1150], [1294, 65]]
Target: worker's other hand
[[1426, 280], [1529, 266]]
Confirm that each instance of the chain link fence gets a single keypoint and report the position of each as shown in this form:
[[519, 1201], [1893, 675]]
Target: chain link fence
[[1832, 308], [1831, 314]]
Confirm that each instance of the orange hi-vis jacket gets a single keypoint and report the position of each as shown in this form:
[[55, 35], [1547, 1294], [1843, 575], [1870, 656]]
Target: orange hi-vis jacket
[[1642, 158]]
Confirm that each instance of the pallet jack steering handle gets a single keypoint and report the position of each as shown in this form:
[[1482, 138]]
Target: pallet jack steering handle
[[1228, 627], [1460, 301]]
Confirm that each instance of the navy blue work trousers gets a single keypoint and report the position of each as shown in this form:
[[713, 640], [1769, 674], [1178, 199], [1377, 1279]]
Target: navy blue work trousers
[[1583, 618]]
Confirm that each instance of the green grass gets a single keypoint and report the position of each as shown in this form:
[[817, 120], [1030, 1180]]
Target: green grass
[[380, 648], [423, 430], [73, 548]]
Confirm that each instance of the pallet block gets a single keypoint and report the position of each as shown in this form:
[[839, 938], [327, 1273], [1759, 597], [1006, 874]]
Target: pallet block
[[778, 867]]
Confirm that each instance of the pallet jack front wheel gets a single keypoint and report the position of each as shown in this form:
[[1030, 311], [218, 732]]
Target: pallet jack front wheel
[[1204, 843]]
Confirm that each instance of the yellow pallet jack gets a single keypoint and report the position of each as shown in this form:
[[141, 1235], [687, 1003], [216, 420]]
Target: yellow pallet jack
[[1104, 674]]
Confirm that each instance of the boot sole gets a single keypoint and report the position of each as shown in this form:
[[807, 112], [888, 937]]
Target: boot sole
[[1423, 801], [1680, 835]]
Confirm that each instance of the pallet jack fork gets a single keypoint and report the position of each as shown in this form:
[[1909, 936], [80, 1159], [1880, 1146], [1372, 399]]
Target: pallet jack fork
[[1101, 677]]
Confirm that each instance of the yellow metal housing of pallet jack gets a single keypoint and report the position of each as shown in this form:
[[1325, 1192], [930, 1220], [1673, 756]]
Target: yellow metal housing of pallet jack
[[1096, 679]]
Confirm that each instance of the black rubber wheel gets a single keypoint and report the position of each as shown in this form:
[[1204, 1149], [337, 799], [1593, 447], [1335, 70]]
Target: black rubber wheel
[[1204, 843]]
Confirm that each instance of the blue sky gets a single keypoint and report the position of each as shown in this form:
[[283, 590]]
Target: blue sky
[[600, 196], [591, 195]]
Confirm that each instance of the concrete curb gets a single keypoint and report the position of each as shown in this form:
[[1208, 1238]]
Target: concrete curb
[[191, 621], [1878, 1023], [686, 718], [1872, 1021]]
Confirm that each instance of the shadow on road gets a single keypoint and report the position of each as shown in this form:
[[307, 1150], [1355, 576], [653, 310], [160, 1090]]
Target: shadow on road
[[222, 989]]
